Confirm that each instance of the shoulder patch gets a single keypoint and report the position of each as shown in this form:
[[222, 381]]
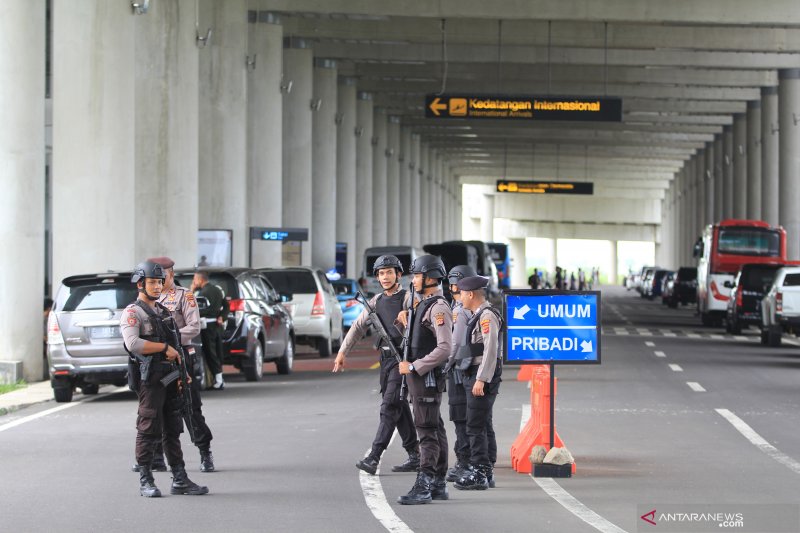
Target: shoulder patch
[[485, 325], [455, 316], [190, 298], [439, 317], [132, 320]]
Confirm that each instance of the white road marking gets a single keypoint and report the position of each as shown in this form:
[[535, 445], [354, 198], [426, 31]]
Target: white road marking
[[695, 386], [717, 337], [740, 337], [622, 333], [376, 500], [670, 334], [693, 335], [555, 491], [759, 441], [659, 353], [649, 343], [675, 368], [63, 406]]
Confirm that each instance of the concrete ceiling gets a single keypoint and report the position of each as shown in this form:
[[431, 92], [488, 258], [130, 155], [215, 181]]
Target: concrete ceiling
[[682, 68]]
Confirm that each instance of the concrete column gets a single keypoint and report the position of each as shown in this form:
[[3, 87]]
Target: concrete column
[[438, 211], [614, 274], [754, 160], [719, 188], [424, 197], [393, 180], [708, 177], [364, 216], [448, 206], [519, 266], [740, 165], [323, 165], [166, 172], [414, 190], [298, 70], [686, 220], [770, 182], [554, 244], [93, 128], [22, 176], [700, 190], [727, 172], [404, 198], [265, 134], [487, 218], [380, 214], [676, 220], [346, 204], [691, 206], [789, 166], [223, 123]]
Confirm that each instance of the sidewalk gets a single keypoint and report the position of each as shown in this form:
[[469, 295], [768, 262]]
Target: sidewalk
[[31, 394]]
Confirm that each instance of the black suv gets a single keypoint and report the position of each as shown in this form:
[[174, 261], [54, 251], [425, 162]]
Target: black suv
[[748, 288], [684, 287], [258, 328]]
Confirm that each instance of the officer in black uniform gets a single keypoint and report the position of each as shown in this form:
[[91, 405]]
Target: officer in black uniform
[[431, 337], [482, 358], [456, 395], [145, 338], [395, 412]]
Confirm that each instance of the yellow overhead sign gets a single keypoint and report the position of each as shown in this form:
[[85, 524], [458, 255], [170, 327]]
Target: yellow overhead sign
[[545, 187], [524, 107]]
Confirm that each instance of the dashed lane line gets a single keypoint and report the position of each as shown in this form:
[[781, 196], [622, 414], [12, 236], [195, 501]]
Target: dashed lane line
[[659, 353], [676, 368], [649, 344], [376, 500], [758, 441], [695, 386], [567, 501], [62, 407]]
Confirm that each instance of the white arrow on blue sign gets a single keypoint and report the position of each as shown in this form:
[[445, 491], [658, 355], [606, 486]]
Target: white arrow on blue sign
[[552, 328]]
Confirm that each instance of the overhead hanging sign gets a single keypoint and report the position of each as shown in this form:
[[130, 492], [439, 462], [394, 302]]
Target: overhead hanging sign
[[279, 234], [591, 109], [545, 187], [546, 327]]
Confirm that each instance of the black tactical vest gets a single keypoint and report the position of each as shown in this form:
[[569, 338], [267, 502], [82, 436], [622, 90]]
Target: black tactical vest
[[388, 307], [155, 318], [423, 340], [476, 349]]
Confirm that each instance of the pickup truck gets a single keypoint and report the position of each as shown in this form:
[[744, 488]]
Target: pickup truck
[[780, 307]]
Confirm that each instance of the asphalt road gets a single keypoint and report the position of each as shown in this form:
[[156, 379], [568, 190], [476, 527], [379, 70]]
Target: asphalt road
[[285, 448]]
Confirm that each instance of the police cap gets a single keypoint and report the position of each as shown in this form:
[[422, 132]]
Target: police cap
[[147, 269], [472, 283], [165, 261]]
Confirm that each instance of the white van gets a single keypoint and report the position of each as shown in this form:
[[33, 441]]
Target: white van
[[406, 254]]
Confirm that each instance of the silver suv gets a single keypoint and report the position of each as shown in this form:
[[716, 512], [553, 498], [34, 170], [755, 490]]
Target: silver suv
[[84, 344]]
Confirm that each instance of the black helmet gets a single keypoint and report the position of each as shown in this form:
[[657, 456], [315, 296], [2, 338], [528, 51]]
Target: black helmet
[[147, 269], [387, 261], [459, 272], [429, 265]]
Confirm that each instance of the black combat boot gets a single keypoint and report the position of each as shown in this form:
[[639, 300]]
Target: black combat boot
[[474, 478], [147, 485], [158, 464], [181, 484], [410, 465], [206, 461], [490, 476], [369, 464], [439, 489], [420, 492], [455, 473]]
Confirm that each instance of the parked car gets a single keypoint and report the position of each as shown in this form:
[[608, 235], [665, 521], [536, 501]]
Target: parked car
[[258, 329], [652, 285], [667, 287], [346, 291], [645, 280], [684, 287], [780, 307], [315, 310], [748, 288]]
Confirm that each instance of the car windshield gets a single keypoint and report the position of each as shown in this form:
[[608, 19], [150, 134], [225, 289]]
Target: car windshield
[[687, 273], [756, 278], [292, 281], [741, 241], [96, 294]]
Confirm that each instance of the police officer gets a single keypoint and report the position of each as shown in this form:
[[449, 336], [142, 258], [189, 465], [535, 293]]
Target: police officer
[[211, 335], [431, 337], [181, 303], [481, 381], [395, 411], [456, 395], [145, 338]]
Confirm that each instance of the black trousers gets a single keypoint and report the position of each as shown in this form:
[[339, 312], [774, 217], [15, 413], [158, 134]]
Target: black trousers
[[432, 435], [158, 419], [395, 412], [482, 439], [211, 337], [457, 401]]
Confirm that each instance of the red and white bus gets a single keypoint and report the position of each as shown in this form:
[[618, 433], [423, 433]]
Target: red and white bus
[[724, 248]]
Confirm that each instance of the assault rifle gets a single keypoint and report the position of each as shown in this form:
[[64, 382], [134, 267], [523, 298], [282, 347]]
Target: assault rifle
[[379, 326], [182, 374], [407, 337]]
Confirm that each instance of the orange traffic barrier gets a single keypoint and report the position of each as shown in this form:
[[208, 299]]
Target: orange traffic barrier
[[537, 431], [525, 373]]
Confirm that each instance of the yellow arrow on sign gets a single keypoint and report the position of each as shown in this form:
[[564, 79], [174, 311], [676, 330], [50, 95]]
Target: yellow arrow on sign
[[436, 106]]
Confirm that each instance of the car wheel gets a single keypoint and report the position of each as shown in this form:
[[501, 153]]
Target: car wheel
[[285, 363], [764, 337], [706, 319], [90, 388], [255, 369], [63, 394], [324, 345], [774, 337], [736, 328]]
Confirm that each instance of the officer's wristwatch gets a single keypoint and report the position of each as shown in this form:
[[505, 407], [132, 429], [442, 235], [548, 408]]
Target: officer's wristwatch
[[411, 367]]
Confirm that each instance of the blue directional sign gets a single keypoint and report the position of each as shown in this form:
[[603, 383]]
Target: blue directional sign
[[545, 327]]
